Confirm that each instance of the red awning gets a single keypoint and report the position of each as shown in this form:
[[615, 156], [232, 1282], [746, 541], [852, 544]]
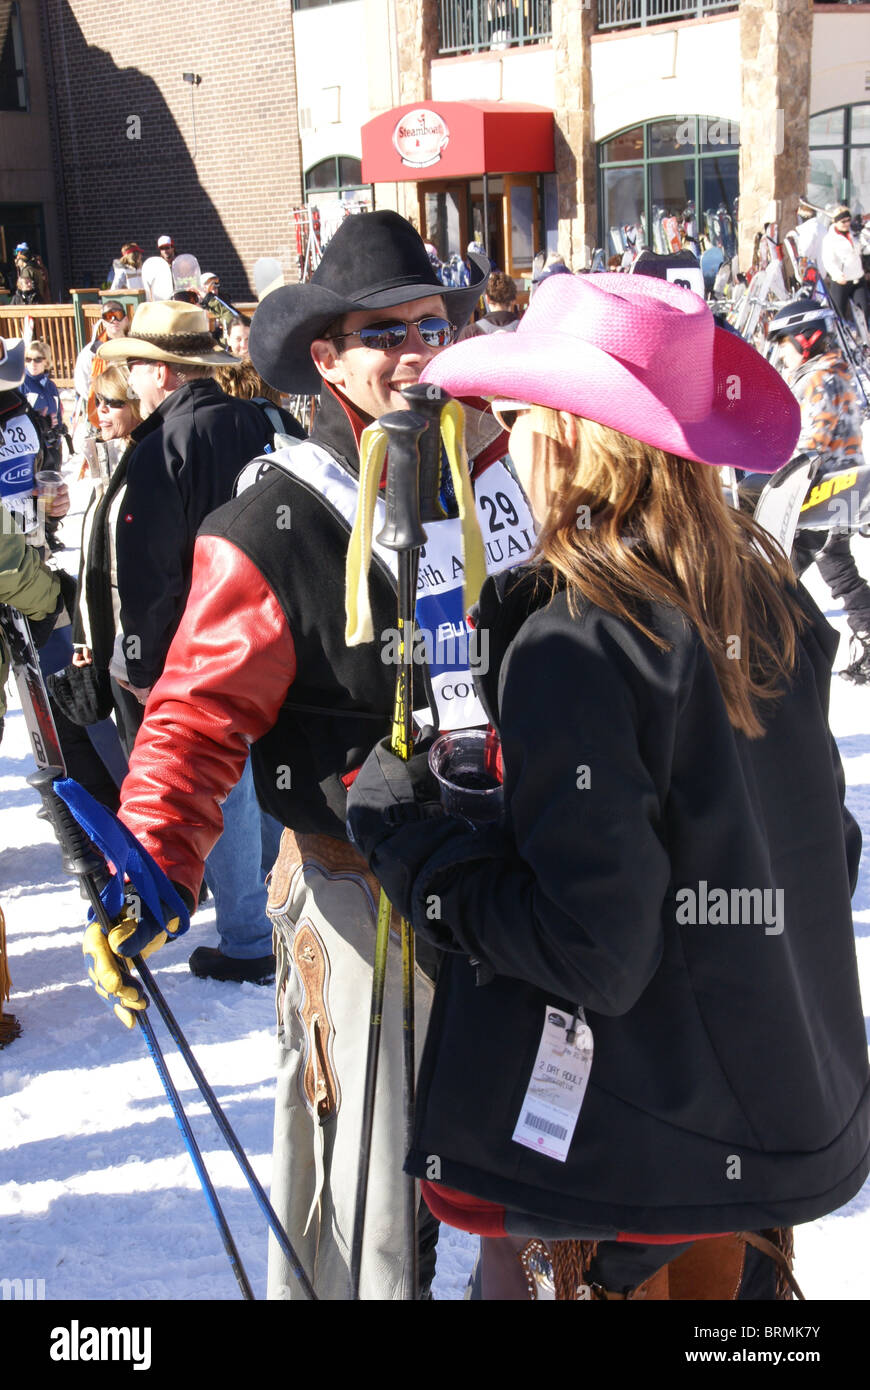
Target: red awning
[[457, 139]]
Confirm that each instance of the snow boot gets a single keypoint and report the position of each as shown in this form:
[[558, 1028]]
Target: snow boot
[[209, 962]]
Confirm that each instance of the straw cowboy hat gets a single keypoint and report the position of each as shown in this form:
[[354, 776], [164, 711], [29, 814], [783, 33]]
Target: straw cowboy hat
[[11, 363], [375, 260], [167, 331], [642, 356]]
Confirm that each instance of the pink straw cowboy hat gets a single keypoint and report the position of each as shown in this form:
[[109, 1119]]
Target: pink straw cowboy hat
[[642, 356]]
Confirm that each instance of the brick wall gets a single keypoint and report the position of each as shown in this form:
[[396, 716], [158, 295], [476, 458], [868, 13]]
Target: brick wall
[[142, 152]]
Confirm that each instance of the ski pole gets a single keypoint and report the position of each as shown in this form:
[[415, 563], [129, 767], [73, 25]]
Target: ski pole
[[224, 1125], [428, 402], [82, 860], [403, 533], [195, 1155]]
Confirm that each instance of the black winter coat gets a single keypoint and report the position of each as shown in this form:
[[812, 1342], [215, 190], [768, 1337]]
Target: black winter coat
[[729, 1087], [188, 455]]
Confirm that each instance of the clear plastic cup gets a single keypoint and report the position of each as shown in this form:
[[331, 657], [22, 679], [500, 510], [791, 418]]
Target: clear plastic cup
[[465, 764], [49, 483]]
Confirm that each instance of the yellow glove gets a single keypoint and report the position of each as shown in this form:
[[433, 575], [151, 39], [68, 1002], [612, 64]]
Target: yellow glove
[[111, 979]]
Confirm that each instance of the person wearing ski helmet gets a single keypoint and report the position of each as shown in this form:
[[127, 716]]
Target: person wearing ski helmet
[[659, 685], [823, 384]]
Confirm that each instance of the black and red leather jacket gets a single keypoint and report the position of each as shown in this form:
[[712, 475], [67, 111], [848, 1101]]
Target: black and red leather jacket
[[259, 661]]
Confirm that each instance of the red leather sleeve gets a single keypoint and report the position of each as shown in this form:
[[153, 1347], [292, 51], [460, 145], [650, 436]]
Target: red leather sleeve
[[226, 675]]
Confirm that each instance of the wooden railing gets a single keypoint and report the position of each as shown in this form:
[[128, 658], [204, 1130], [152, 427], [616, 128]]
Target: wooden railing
[[56, 324], [53, 322]]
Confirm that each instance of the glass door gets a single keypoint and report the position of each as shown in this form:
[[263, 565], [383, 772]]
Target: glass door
[[521, 223], [444, 217]]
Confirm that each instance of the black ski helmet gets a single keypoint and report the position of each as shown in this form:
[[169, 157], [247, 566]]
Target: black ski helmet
[[803, 321]]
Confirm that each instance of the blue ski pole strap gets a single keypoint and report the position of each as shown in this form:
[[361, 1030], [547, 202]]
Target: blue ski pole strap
[[159, 900]]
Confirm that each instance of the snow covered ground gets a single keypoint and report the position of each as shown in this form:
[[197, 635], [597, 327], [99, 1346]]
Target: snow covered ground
[[98, 1197]]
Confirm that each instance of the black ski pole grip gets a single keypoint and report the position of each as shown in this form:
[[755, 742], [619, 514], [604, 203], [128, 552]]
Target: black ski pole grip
[[80, 857], [402, 528], [428, 400]]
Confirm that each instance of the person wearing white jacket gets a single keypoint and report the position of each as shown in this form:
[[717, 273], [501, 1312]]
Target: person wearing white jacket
[[810, 234], [841, 261]]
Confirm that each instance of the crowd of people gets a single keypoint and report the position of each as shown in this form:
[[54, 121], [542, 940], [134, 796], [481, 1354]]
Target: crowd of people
[[596, 1051], [26, 281]]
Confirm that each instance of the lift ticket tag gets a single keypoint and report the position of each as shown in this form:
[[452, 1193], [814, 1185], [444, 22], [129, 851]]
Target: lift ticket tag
[[555, 1092]]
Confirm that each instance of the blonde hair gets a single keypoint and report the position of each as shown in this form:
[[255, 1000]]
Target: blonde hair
[[627, 524], [242, 379], [41, 346]]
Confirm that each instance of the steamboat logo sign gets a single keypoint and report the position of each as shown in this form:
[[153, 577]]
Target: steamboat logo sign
[[420, 138]]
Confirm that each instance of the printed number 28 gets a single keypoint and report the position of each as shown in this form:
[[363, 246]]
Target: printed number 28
[[488, 504]]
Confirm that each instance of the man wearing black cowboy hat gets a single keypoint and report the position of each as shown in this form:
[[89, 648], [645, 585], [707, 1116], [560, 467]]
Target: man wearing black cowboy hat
[[260, 659]]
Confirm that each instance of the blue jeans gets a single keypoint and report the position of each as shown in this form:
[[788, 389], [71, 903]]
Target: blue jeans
[[236, 870]]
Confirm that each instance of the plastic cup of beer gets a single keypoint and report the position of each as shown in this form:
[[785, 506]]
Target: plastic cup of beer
[[49, 484], [465, 763]]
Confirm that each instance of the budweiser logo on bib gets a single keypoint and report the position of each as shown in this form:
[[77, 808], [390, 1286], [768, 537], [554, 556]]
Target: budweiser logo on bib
[[420, 137]]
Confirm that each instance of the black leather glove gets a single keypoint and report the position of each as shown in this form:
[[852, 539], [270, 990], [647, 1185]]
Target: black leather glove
[[83, 693], [395, 818]]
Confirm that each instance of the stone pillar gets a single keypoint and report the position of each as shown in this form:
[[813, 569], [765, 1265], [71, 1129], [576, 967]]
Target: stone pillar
[[775, 53], [576, 174], [418, 39]]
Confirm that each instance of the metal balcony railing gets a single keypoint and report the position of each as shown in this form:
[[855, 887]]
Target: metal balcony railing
[[623, 14], [468, 26]]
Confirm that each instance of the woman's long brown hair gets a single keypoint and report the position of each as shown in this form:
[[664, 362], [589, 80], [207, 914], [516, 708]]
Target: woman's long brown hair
[[627, 523]]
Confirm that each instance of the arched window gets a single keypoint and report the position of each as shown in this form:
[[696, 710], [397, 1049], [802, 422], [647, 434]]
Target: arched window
[[650, 174], [340, 175], [840, 157]]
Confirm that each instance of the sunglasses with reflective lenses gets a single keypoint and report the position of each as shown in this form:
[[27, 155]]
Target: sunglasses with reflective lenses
[[507, 412], [112, 402], [386, 337], [114, 316]]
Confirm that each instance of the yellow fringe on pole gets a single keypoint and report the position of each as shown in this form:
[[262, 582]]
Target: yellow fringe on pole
[[373, 449], [372, 453], [473, 553]]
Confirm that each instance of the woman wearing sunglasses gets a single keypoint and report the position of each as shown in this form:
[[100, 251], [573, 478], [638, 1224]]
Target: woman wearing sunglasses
[[86, 691], [647, 1046], [44, 398]]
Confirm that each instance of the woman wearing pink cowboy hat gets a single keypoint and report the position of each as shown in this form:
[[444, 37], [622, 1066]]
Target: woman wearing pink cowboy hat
[[646, 1053]]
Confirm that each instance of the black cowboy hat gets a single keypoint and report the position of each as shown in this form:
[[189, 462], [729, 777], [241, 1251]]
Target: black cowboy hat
[[374, 261]]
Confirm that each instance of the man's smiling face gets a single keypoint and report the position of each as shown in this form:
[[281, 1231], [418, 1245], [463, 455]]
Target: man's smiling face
[[372, 379]]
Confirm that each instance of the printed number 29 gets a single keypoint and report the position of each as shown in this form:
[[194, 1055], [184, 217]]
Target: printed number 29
[[488, 504]]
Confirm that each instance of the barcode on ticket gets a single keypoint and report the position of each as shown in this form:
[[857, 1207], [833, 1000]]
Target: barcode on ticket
[[533, 1121]]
